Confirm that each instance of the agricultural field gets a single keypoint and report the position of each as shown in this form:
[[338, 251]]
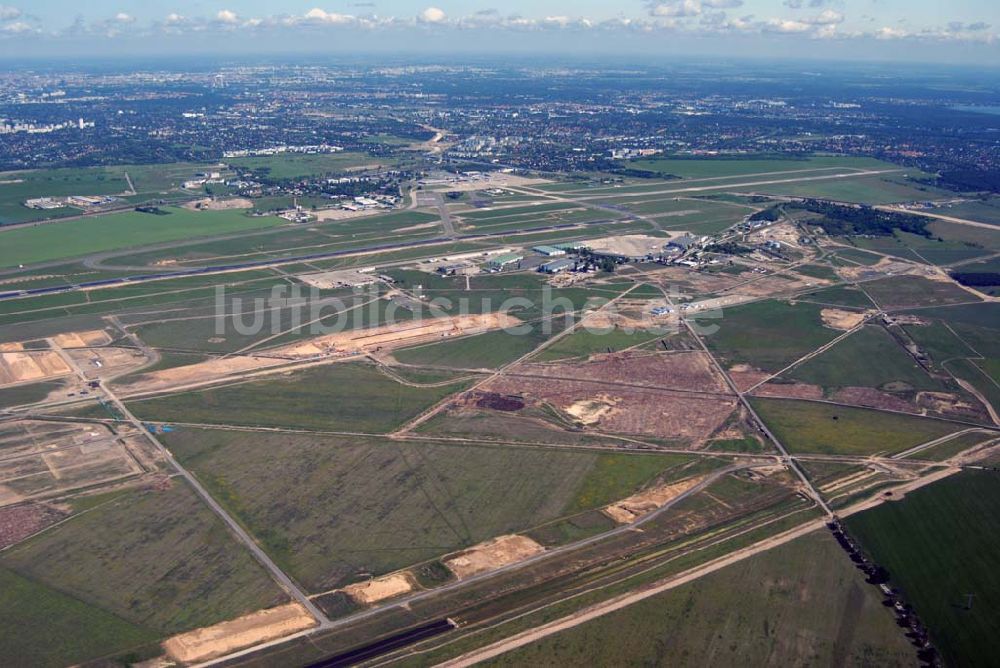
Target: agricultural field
[[336, 397], [374, 506], [69, 631], [760, 610], [770, 334], [155, 561], [820, 428], [869, 357], [900, 292], [938, 544]]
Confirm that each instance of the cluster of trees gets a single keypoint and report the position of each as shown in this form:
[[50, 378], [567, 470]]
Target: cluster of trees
[[965, 180], [728, 248], [860, 220], [980, 279], [769, 215]]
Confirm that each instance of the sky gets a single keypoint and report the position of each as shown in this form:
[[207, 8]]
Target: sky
[[956, 31]]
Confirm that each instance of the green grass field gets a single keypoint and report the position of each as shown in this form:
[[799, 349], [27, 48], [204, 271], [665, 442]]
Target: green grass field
[[294, 166], [703, 168], [74, 238], [799, 604], [583, 343], [55, 629], [922, 249], [157, 559], [897, 292], [336, 397], [812, 427], [840, 295], [869, 357], [939, 544], [329, 509], [770, 334]]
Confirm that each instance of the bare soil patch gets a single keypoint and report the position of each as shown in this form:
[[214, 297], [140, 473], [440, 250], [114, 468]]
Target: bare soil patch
[[954, 405], [745, 376], [25, 366], [327, 346], [675, 370], [789, 391], [212, 204], [20, 521], [835, 318], [665, 414], [632, 508], [381, 588], [88, 339], [873, 398], [96, 362], [498, 402], [47, 459], [491, 555], [220, 639]]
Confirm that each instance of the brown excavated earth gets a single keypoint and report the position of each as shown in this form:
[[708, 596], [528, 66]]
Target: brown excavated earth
[[674, 370], [789, 391], [343, 343], [379, 589], [26, 519], [666, 414], [491, 555], [836, 318], [87, 339], [632, 508], [257, 627], [745, 376], [24, 366]]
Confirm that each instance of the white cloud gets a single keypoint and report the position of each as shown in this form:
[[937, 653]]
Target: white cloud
[[787, 26], [18, 28], [330, 18], [431, 15], [228, 17], [8, 13], [826, 17], [891, 33], [122, 17], [684, 8], [678, 8], [176, 19]]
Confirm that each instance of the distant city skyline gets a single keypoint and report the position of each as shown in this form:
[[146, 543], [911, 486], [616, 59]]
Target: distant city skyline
[[916, 30]]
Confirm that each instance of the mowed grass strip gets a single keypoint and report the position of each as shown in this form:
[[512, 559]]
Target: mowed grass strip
[[47, 628], [157, 558], [821, 428], [331, 509], [337, 397], [799, 604], [939, 545], [74, 238]]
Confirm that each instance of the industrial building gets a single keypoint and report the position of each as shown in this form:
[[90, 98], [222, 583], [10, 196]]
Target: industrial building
[[549, 251], [458, 270], [557, 266], [501, 262], [683, 243]]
